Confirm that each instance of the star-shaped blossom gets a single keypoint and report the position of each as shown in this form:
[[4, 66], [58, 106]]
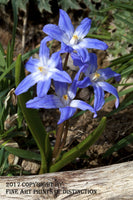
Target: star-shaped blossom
[[42, 70], [97, 79], [73, 39], [64, 100]]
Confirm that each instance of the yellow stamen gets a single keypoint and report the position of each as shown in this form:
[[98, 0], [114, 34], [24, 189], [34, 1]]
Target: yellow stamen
[[75, 37], [96, 76], [40, 69], [65, 97]]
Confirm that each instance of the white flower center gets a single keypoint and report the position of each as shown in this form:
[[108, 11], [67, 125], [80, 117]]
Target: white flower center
[[95, 76], [43, 70], [65, 100], [74, 40]]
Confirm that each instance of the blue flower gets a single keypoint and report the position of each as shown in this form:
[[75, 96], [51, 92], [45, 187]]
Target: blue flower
[[64, 100], [42, 71], [73, 39], [97, 79]]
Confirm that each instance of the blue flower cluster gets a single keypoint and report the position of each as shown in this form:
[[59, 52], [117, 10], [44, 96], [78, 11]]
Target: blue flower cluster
[[48, 68]]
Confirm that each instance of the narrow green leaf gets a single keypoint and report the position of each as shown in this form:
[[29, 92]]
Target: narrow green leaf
[[1, 155], [80, 148], [5, 163], [119, 17], [48, 150], [23, 153], [101, 37], [127, 70], [122, 59], [2, 59], [122, 143], [126, 6], [1, 113], [1, 49]]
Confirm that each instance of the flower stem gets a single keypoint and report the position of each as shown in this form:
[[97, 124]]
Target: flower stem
[[59, 133], [63, 139], [60, 139], [66, 60]]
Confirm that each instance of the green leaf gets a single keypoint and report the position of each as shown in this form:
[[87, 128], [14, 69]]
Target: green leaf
[[21, 4], [4, 1], [101, 37], [1, 113], [23, 153], [3, 160], [1, 155], [48, 149], [120, 60], [122, 5], [80, 148], [127, 70], [119, 17], [69, 4], [2, 60], [122, 143], [44, 5], [32, 117], [1, 49]]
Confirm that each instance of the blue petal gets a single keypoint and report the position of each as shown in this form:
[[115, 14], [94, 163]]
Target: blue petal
[[56, 33], [92, 64], [76, 59], [47, 102], [73, 88], [55, 61], [81, 105], [92, 44], [78, 73], [44, 52], [65, 23], [84, 83], [109, 73], [60, 88], [61, 76], [65, 48], [66, 113], [89, 61], [84, 27], [85, 56], [43, 87], [109, 88], [99, 97], [47, 39], [32, 65], [26, 83]]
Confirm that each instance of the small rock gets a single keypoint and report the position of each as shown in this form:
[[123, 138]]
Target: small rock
[[30, 166]]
